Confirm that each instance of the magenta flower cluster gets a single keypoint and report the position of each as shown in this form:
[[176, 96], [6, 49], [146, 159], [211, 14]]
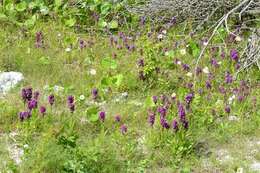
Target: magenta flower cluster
[[117, 119], [30, 100], [163, 108]]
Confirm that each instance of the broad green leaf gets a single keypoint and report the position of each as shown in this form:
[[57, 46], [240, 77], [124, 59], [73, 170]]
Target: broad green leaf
[[44, 60], [30, 22], [195, 50], [9, 7], [105, 81], [170, 53], [109, 63], [149, 102], [102, 23], [105, 8], [119, 79], [92, 114], [70, 22], [113, 24], [21, 6], [3, 17], [58, 3]]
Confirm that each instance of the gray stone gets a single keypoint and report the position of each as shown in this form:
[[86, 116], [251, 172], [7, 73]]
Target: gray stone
[[9, 80], [255, 166], [233, 118]]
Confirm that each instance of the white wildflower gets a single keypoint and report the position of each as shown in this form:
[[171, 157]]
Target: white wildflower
[[189, 74], [230, 99], [82, 97], [183, 52], [164, 32], [205, 70], [93, 72], [57, 88], [238, 39], [68, 49], [160, 36], [205, 43]]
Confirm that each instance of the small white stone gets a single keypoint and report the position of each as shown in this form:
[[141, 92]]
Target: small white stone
[[233, 118], [9, 80], [125, 94], [255, 166]]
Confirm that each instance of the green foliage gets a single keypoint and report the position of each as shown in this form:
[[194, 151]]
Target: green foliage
[[61, 141], [85, 12]]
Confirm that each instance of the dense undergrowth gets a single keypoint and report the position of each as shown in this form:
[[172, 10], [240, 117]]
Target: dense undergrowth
[[118, 100]]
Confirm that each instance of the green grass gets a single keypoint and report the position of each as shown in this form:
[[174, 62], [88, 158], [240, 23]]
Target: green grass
[[78, 142]]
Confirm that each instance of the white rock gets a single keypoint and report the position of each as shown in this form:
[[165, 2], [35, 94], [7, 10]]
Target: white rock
[[255, 166], [125, 94], [233, 118], [16, 153], [9, 80], [223, 156]]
